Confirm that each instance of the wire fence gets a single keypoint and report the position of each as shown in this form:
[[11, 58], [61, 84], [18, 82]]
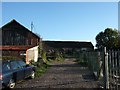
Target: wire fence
[[106, 67]]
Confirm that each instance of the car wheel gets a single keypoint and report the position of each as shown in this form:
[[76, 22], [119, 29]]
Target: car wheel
[[32, 75], [11, 84]]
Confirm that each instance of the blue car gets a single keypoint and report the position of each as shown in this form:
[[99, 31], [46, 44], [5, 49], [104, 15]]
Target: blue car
[[14, 71]]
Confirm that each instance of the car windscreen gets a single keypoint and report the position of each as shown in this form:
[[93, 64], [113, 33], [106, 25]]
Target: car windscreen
[[15, 65], [22, 63]]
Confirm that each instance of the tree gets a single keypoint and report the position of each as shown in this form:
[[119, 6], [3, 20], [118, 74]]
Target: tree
[[108, 38]]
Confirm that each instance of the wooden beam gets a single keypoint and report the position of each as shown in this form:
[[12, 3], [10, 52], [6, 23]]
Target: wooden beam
[[15, 47]]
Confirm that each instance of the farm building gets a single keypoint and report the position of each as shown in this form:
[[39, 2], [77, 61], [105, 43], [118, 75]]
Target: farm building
[[17, 39], [68, 47], [70, 44]]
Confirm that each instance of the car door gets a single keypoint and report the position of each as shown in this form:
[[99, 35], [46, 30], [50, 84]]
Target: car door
[[6, 72], [27, 68], [18, 71]]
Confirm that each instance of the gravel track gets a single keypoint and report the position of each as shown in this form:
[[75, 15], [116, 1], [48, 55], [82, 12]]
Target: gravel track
[[67, 74]]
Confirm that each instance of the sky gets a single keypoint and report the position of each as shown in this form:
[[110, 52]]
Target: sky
[[63, 21]]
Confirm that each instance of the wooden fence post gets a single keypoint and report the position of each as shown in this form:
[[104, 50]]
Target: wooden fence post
[[106, 71]]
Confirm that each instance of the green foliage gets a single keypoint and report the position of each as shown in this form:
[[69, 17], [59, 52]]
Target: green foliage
[[108, 38], [59, 56], [44, 56], [82, 59], [40, 70], [49, 61], [43, 62], [40, 49], [41, 67], [82, 62]]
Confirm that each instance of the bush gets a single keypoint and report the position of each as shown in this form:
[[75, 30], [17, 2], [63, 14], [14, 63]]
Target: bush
[[59, 57], [44, 58], [40, 70], [82, 59], [41, 67]]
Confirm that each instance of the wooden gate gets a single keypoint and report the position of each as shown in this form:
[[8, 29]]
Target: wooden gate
[[106, 65], [114, 69]]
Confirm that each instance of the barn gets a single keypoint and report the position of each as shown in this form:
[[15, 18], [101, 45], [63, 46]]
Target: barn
[[17, 39], [68, 47]]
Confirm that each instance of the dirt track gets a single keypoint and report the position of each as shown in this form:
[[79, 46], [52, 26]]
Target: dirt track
[[67, 74]]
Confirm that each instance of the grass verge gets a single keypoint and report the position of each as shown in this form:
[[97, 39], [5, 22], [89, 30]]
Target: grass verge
[[82, 63], [43, 65], [41, 70]]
